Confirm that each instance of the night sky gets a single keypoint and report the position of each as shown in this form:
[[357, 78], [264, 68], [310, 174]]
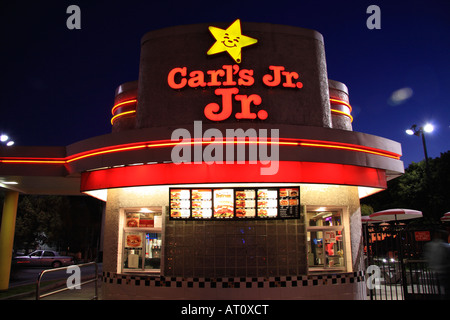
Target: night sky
[[57, 85]]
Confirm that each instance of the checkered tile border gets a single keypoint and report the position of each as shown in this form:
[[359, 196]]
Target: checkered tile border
[[233, 282]]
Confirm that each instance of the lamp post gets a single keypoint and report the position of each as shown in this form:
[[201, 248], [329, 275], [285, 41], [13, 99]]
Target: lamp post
[[420, 131], [6, 140]]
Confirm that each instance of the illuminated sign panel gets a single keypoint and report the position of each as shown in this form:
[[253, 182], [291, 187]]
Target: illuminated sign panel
[[234, 203], [232, 76], [280, 79]]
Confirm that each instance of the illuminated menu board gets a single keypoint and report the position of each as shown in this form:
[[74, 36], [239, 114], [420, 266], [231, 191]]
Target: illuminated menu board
[[234, 203], [180, 203], [245, 203], [201, 203], [223, 203]]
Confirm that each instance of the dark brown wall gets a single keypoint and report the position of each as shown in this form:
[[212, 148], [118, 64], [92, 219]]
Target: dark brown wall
[[235, 248], [296, 49]]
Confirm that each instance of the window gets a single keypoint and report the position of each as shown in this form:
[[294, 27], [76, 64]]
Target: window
[[142, 240], [48, 254], [325, 236]]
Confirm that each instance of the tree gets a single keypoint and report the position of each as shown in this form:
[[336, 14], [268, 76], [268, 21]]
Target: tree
[[415, 190], [66, 223], [38, 220]]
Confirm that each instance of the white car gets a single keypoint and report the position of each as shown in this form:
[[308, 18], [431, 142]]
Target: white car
[[43, 258]]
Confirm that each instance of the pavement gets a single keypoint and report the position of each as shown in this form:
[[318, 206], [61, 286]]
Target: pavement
[[85, 292]]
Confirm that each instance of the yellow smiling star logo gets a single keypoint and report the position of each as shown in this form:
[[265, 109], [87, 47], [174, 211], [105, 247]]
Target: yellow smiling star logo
[[230, 40]]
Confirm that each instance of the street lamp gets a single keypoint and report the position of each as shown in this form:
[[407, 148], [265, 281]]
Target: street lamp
[[5, 139], [420, 131]]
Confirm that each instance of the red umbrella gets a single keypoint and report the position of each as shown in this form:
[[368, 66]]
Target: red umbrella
[[395, 214], [446, 217], [366, 219]]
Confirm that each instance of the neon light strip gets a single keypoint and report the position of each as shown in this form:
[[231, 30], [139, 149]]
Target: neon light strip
[[169, 143], [330, 146], [96, 153], [332, 100], [342, 113], [172, 144], [121, 104], [34, 161], [121, 115], [337, 101]]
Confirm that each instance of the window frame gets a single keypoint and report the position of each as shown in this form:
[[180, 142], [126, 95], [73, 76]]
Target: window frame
[[343, 227], [142, 230], [325, 266]]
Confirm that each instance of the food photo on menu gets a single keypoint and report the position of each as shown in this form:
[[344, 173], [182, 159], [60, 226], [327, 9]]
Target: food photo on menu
[[202, 203], [267, 203], [245, 204], [180, 203], [132, 220], [223, 203]]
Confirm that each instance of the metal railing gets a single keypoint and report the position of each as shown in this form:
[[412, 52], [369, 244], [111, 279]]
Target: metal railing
[[89, 280], [404, 273]]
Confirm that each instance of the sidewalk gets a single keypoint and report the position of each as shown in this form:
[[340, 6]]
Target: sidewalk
[[86, 292]]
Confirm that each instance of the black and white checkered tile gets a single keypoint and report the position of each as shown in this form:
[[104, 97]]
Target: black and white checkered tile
[[233, 282]]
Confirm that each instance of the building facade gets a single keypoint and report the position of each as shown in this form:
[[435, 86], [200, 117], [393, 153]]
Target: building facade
[[231, 172]]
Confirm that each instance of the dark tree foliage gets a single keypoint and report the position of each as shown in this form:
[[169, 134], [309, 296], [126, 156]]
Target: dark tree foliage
[[419, 189], [70, 224]]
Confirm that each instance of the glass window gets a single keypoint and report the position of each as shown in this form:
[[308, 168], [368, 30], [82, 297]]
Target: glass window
[[324, 218], [36, 254], [48, 254], [325, 237], [325, 249], [142, 240]]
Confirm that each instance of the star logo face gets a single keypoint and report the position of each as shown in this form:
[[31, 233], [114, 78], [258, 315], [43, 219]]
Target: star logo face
[[230, 40]]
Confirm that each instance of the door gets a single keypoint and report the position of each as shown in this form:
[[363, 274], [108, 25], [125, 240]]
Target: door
[[35, 258], [325, 248], [47, 258]]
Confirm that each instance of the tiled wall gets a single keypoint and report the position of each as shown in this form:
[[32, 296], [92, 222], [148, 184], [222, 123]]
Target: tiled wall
[[349, 286], [235, 248]]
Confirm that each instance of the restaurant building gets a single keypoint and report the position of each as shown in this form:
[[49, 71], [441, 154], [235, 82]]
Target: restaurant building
[[231, 172]]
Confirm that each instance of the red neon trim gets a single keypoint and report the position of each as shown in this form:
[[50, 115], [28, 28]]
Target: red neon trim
[[337, 101], [121, 104], [288, 172], [170, 143], [342, 113], [33, 161], [105, 151], [121, 115]]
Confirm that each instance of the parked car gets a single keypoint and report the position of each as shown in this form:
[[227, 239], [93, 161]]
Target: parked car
[[43, 258]]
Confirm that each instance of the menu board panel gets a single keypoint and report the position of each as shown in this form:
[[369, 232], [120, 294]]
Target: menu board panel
[[267, 203], [223, 203], [245, 203], [180, 203], [235, 203], [289, 202], [201, 203]]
